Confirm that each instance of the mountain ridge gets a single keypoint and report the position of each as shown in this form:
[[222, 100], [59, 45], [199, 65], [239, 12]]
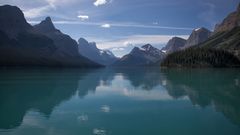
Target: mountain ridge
[[23, 45], [144, 56]]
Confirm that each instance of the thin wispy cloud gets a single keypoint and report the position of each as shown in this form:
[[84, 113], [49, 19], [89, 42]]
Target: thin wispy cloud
[[106, 25]]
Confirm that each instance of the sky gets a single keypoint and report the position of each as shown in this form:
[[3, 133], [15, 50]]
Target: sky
[[119, 25]]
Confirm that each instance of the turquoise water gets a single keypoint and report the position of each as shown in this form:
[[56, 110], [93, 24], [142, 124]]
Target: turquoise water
[[134, 101]]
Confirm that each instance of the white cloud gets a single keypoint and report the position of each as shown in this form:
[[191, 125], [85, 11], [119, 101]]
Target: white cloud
[[83, 17], [127, 43], [106, 25], [100, 2]]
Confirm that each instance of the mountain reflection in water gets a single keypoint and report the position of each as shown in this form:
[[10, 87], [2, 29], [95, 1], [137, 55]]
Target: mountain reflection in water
[[42, 90]]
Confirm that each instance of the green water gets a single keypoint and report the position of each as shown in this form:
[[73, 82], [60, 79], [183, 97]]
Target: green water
[[120, 102]]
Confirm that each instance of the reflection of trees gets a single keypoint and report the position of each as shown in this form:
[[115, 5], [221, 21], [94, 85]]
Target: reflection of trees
[[208, 86], [42, 90]]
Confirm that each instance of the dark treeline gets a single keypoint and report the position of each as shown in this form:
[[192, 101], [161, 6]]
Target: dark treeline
[[201, 57]]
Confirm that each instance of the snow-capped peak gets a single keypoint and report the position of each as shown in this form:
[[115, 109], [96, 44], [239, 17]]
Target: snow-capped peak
[[147, 47], [197, 29]]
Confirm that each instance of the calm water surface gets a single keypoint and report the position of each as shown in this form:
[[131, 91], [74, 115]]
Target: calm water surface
[[120, 102]]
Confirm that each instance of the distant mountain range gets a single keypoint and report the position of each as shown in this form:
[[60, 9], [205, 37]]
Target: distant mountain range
[[90, 50], [146, 55], [222, 49]]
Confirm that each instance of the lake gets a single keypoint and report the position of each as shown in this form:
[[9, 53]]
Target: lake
[[119, 101]]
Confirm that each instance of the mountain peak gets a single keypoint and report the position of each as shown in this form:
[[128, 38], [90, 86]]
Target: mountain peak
[[145, 55], [147, 47], [174, 44], [46, 25], [198, 36], [12, 20], [200, 29], [177, 39], [82, 41], [48, 19], [135, 49]]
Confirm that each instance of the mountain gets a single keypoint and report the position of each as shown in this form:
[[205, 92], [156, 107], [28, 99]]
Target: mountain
[[221, 50], [12, 21], [90, 50], [197, 36], [23, 45], [174, 44], [65, 44], [146, 55], [230, 22], [228, 41]]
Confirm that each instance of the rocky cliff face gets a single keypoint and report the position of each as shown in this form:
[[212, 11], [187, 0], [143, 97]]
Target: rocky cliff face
[[46, 26], [65, 44], [174, 44], [24, 45], [230, 22], [12, 21], [198, 36]]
